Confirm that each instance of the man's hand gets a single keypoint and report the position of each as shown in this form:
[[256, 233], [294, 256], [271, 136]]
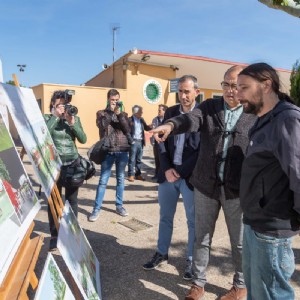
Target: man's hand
[[172, 175], [117, 110], [163, 130]]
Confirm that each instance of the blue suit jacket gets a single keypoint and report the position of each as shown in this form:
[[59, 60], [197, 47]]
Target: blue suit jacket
[[167, 151]]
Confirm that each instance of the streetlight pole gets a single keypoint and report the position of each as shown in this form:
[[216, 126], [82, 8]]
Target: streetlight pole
[[21, 69]]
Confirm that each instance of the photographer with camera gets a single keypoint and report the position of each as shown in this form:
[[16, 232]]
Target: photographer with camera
[[65, 128], [113, 123]]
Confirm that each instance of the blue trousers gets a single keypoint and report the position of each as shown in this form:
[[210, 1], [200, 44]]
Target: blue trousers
[[120, 159], [135, 159], [268, 264], [168, 195]]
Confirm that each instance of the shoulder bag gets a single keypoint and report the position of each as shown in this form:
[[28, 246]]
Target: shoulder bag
[[98, 151]]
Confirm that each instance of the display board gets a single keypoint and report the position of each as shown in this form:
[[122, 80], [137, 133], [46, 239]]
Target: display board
[[33, 132], [52, 284], [18, 202], [78, 255], [1, 74]]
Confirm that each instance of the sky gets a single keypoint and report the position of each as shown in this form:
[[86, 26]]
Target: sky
[[68, 41]]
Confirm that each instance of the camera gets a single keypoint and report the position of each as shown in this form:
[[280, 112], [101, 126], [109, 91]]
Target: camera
[[67, 95], [69, 108], [119, 103]]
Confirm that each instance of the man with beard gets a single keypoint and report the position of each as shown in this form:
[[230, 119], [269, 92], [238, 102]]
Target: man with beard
[[270, 184], [216, 177]]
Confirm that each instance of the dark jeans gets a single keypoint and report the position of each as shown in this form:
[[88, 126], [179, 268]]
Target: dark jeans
[[135, 159], [156, 158], [71, 194]]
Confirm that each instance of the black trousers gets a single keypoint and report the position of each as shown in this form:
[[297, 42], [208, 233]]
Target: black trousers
[[71, 194]]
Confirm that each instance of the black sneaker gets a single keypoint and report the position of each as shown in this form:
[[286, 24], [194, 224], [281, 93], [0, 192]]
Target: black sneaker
[[156, 260], [188, 272]]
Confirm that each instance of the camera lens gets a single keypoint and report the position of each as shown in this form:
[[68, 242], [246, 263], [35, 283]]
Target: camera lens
[[72, 110]]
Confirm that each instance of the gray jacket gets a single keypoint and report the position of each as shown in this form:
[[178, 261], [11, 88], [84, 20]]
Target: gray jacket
[[209, 121]]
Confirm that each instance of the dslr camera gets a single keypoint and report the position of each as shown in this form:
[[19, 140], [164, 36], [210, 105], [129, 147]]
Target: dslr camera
[[119, 104], [69, 108]]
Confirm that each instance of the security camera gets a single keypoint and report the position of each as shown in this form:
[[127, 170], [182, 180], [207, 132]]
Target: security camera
[[104, 66]]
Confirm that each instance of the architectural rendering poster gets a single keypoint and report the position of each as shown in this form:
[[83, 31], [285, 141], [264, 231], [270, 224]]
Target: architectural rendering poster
[[33, 132], [4, 112], [1, 74], [52, 284], [78, 255], [18, 201]]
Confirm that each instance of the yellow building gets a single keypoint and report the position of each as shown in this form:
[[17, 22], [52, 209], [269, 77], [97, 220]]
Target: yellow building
[[146, 78]]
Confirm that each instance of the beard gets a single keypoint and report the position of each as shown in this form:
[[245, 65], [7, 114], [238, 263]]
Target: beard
[[253, 107]]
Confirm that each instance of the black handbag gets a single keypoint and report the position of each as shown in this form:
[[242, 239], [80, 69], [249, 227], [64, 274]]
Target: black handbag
[[89, 167], [76, 173], [98, 151]]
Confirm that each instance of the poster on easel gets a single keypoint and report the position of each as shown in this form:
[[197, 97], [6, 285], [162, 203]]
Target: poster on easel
[[1, 74], [52, 284], [33, 133], [18, 202], [78, 255]]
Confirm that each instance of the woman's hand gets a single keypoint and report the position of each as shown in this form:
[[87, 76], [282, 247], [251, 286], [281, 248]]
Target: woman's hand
[[58, 110], [161, 133], [70, 119]]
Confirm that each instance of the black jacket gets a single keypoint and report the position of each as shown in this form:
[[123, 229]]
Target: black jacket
[[167, 150], [208, 119], [270, 184]]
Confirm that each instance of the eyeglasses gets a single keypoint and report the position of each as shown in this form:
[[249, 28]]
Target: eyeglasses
[[226, 86]]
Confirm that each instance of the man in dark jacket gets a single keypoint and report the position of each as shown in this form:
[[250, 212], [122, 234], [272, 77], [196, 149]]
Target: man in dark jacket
[[178, 156], [157, 121], [114, 124], [270, 184], [216, 178], [138, 127]]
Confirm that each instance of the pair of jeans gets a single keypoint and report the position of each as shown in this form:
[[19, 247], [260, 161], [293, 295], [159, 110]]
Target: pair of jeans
[[135, 159], [268, 264], [156, 157], [120, 159], [71, 194], [168, 195], [206, 214]]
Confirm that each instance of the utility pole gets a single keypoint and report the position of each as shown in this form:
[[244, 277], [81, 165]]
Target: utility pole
[[115, 28]]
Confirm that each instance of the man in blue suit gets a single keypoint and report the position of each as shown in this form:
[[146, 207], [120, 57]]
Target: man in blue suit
[[138, 127], [178, 156]]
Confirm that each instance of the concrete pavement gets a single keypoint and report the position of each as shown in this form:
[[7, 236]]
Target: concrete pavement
[[122, 251]]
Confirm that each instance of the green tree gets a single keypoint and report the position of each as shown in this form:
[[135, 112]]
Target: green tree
[[291, 7], [10, 82], [295, 83]]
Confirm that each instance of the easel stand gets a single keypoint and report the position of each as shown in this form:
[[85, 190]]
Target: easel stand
[[21, 272]]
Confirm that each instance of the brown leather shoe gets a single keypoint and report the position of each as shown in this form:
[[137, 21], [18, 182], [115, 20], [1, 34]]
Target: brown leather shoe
[[131, 178], [140, 177], [195, 293], [235, 294]]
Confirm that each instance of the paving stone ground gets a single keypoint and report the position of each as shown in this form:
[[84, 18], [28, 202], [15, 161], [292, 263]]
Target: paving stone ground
[[122, 251]]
